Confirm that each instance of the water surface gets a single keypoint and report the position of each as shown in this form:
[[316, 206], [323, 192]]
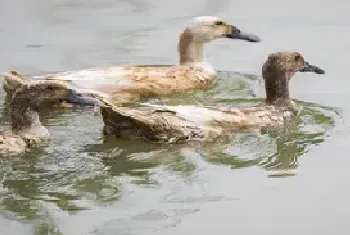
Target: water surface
[[291, 181]]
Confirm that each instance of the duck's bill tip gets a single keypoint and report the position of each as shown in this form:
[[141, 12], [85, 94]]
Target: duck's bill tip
[[249, 37], [238, 34], [320, 71], [312, 68]]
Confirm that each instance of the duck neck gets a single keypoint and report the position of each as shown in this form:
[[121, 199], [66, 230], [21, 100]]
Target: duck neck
[[25, 118], [277, 88], [191, 52], [26, 123]]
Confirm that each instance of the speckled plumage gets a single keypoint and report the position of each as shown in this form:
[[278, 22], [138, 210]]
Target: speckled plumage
[[171, 124], [164, 124]]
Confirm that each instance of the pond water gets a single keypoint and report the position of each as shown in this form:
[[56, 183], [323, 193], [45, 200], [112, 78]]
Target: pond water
[[284, 182]]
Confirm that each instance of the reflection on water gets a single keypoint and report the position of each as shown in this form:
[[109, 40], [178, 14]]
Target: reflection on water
[[147, 222], [277, 151]]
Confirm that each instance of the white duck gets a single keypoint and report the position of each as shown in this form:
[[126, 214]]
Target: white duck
[[127, 84]]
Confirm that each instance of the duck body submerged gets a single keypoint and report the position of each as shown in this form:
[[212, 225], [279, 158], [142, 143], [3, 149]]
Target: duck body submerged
[[179, 124]]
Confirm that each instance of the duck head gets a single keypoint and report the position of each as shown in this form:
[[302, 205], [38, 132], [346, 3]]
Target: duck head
[[27, 101], [278, 69], [205, 29]]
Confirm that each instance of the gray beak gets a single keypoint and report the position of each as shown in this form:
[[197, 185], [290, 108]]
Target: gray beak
[[77, 98], [312, 68], [238, 34]]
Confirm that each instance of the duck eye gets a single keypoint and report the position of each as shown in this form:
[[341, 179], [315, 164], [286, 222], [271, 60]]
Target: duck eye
[[219, 23]]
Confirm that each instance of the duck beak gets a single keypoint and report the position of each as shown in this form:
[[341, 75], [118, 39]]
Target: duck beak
[[236, 33], [79, 98], [312, 68]]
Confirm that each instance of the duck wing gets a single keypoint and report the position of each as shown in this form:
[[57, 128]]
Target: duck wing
[[132, 83]]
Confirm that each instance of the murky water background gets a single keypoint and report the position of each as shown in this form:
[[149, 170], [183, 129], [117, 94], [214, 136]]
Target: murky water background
[[293, 181]]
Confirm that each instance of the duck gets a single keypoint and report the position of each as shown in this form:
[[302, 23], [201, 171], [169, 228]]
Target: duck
[[27, 130], [124, 85], [187, 123], [14, 81]]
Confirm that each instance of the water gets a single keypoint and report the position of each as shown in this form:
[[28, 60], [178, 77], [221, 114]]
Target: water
[[286, 182]]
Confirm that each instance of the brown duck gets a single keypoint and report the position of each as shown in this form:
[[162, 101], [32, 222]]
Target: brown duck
[[26, 128], [127, 84], [178, 124]]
